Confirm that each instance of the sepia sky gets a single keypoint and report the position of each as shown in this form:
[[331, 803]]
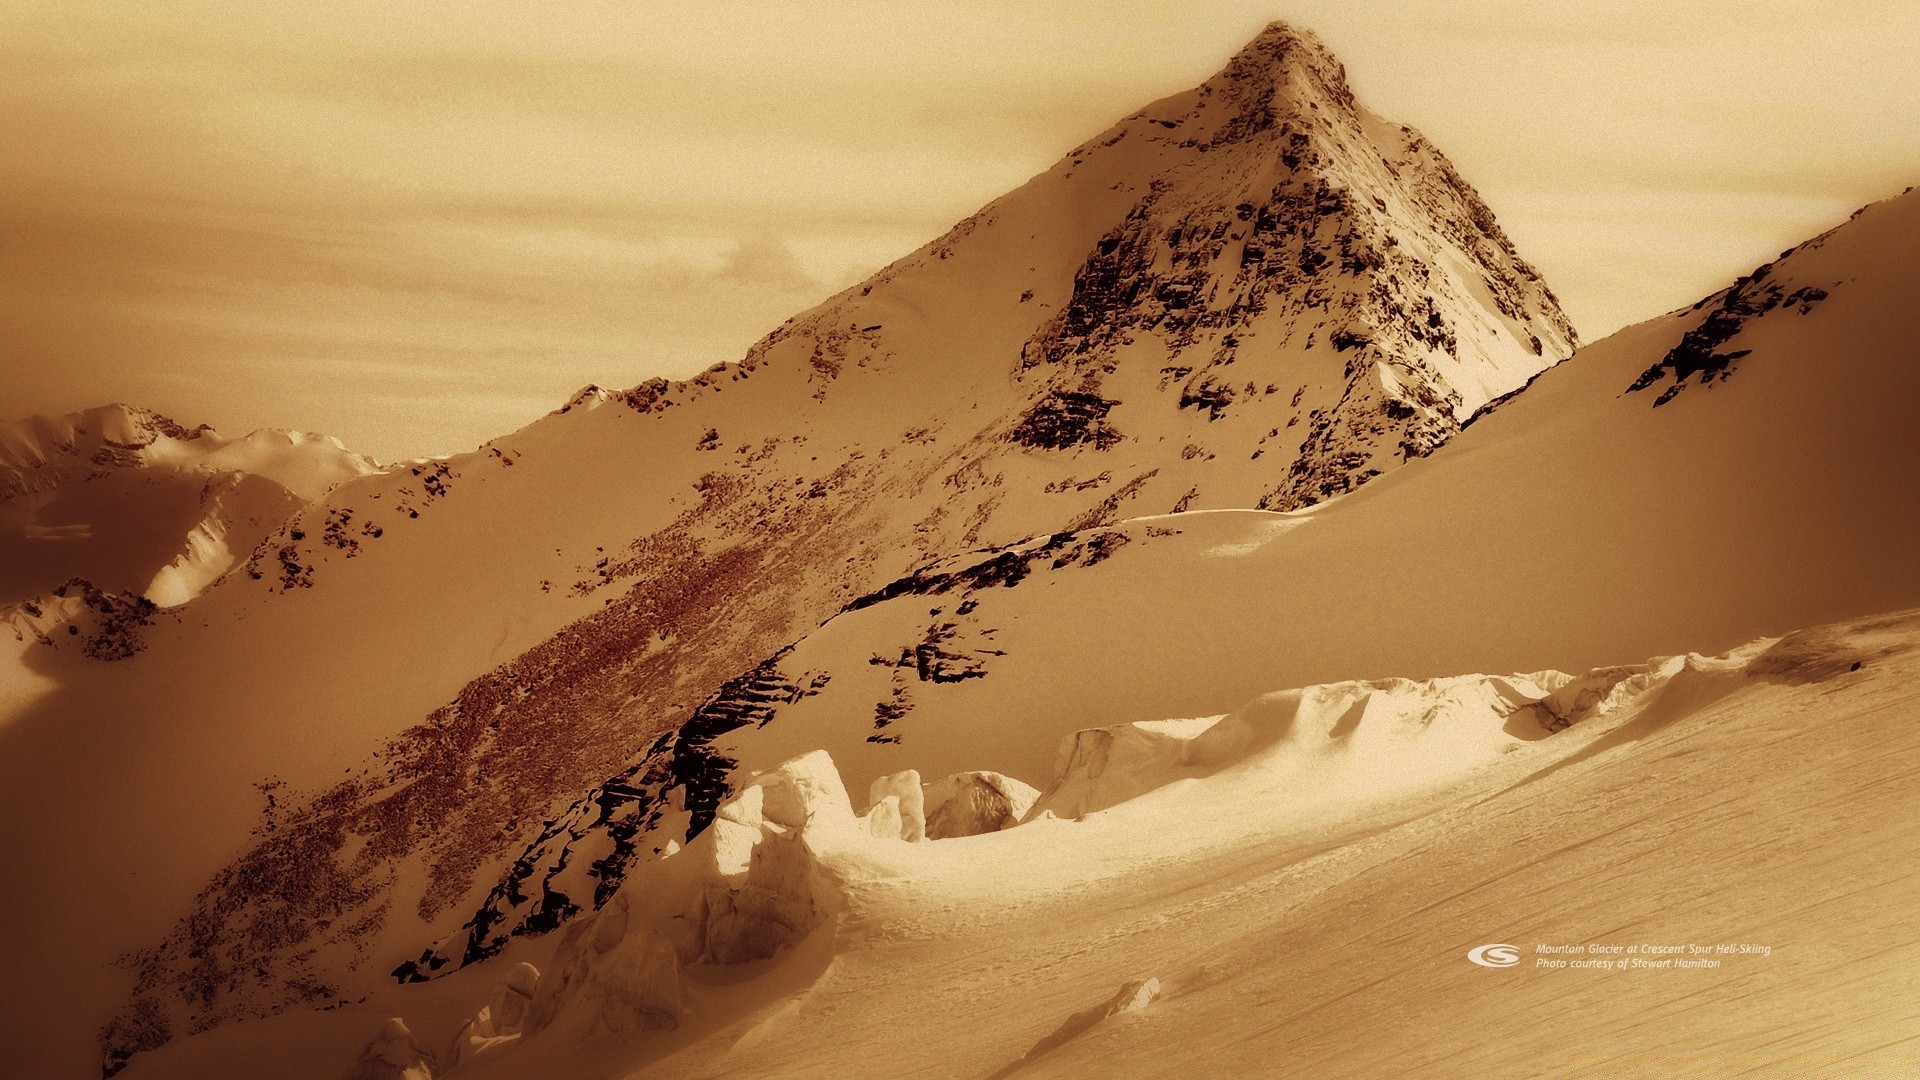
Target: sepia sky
[[417, 224]]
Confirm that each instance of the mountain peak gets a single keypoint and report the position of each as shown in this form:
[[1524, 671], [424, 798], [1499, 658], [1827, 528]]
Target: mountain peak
[[1283, 73], [1254, 293], [1278, 44], [1282, 50]]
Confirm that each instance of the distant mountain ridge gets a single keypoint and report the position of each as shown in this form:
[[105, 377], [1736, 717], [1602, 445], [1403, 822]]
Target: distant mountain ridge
[[39, 452], [137, 503]]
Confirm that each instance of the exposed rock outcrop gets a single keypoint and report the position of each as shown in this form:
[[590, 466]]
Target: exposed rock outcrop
[[103, 624], [1698, 357], [971, 803]]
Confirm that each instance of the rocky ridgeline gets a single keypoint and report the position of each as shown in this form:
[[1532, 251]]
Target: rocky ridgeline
[[1254, 293]]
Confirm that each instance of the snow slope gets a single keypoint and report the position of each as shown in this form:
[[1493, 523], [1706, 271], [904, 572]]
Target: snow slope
[[1256, 292], [1583, 523], [1302, 899]]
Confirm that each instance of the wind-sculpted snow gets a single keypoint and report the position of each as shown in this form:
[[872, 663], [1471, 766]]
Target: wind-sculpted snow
[[1255, 292], [1253, 856], [752, 873]]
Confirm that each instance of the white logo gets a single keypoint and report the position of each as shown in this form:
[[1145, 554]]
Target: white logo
[[1494, 956]]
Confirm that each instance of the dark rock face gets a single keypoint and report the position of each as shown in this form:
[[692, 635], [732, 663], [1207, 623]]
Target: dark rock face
[[109, 623], [105, 624], [1067, 419], [650, 396], [619, 813], [1698, 353], [1341, 448], [1003, 569], [674, 788]]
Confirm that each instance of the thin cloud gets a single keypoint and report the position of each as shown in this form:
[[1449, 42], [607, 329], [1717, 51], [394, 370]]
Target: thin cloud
[[766, 263]]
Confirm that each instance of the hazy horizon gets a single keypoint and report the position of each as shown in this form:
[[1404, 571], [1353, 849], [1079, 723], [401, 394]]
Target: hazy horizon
[[416, 226]]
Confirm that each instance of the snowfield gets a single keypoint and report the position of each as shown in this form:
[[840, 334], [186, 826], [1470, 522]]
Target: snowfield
[[1311, 875], [1253, 293]]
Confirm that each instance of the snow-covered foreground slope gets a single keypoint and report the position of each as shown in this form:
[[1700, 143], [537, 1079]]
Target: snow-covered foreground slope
[[133, 502], [1253, 293], [1293, 887], [1582, 523]]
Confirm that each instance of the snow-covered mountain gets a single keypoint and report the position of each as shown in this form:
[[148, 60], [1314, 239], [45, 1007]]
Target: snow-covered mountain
[[1003, 671], [133, 502], [1740, 469], [1083, 729], [1254, 293]]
